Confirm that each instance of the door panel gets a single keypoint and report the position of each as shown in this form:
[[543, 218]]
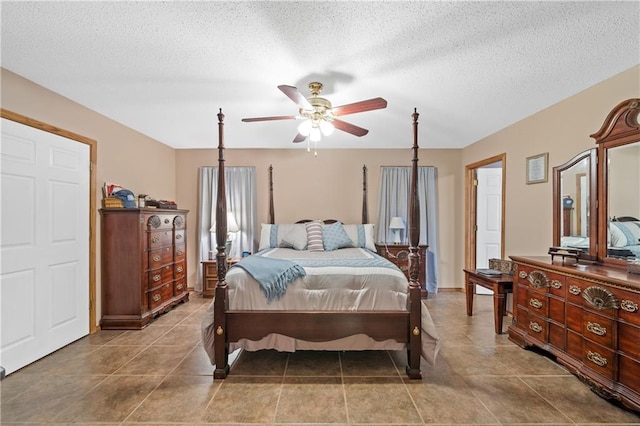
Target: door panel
[[44, 284], [489, 218]]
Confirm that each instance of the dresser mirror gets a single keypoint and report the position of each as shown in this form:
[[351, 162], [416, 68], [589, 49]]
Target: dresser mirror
[[619, 184], [574, 195]]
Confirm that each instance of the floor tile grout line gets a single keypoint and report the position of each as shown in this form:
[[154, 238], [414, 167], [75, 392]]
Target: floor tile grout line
[[546, 400]]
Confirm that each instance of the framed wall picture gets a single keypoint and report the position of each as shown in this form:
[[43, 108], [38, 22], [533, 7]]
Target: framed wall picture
[[537, 168]]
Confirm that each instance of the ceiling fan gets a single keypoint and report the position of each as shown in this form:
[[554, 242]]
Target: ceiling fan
[[319, 116]]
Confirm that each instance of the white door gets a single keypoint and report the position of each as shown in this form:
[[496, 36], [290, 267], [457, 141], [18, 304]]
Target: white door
[[489, 218], [44, 243]]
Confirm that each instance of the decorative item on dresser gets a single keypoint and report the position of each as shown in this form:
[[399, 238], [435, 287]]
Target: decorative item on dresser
[[144, 265], [210, 275], [587, 318], [398, 254]]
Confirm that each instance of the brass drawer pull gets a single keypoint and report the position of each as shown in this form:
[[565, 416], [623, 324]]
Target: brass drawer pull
[[157, 277], [596, 358], [179, 287], [156, 297], [180, 269], [535, 326], [522, 274], [596, 328], [629, 306], [155, 240], [179, 236], [156, 258], [180, 253], [556, 284], [167, 220], [535, 303], [574, 289]]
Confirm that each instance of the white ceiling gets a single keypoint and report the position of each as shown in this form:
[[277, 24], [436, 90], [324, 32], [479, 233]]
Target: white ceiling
[[470, 68]]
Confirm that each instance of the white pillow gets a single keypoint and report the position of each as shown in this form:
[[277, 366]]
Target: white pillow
[[271, 236], [296, 238], [362, 235], [617, 237]]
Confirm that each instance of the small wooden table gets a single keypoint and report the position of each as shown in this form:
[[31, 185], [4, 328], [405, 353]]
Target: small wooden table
[[500, 284], [210, 275]]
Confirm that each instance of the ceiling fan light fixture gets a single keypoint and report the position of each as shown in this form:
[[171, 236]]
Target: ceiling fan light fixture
[[314, 136], [304, 128], [326, 127]]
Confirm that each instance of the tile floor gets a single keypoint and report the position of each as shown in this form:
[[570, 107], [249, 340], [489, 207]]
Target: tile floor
[[161, 375]]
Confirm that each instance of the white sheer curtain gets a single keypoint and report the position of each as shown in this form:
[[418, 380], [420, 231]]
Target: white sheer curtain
[[240, 189], [393, 201]]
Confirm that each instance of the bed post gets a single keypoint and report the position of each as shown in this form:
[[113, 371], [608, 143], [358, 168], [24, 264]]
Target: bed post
[[413, 348], [365, 208], [221, 347], [272, 215]]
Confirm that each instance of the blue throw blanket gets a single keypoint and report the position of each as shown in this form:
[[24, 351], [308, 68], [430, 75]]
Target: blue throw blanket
[[274, 275]]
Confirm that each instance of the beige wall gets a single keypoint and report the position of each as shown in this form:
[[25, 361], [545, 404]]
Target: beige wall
[[125, 156], [330, 185], [562, 130]]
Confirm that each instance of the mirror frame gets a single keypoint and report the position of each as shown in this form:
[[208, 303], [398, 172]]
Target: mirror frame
[[621, 127], [591, 155]]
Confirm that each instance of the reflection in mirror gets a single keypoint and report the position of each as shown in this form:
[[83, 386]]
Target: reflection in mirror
[[623, 189], [574, 193]]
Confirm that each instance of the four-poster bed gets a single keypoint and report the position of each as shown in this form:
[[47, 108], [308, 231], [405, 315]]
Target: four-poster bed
[[367, 305]]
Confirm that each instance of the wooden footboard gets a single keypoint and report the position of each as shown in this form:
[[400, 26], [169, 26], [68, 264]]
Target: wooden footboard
[[317, 326]]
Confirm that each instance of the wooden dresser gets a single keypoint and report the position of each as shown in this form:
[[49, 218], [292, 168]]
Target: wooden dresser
[[398, 254], [144, 264], [585, 315]]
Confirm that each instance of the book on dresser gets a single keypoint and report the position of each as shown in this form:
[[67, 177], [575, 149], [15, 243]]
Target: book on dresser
[[587, 317], [143, 264]]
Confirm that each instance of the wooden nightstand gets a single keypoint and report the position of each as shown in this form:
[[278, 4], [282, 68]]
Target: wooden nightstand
[[210, 275], [398, 254]]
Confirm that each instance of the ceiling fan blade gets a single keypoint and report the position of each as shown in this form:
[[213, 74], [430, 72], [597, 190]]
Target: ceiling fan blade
[[349, 128], [295, 95], [277, 117], [368, 105], [299, 138]]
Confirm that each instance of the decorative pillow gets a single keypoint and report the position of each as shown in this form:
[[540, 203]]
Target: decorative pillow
[[271, 236], [361, 235], [624, 233], [334, 237], [296, 238], [314, 236]]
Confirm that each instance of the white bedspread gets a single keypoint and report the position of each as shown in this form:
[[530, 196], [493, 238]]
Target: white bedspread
[[348, 283]]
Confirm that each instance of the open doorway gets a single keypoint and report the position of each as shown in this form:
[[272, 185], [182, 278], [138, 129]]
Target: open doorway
[[484, 217]]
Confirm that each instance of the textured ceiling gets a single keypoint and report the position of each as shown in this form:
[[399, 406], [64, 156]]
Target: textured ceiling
[[470, 68]]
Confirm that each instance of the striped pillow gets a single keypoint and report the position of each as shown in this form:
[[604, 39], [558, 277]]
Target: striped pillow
[[314, 236]]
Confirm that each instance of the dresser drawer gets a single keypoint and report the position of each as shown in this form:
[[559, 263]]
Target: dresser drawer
[[179, 287], [159, 295], [598, 358], [537, 327], [537, 303], [629, 309], [533, 278], [574, 344], [179, 270], [180, 252], [557, 335], [574, 318], [159, 257], [629, 372], [574, 290], [160, 239], [598, 329], [629, 340], [556, 309]]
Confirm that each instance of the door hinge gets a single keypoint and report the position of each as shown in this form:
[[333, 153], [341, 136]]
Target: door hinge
[[475, 182]]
